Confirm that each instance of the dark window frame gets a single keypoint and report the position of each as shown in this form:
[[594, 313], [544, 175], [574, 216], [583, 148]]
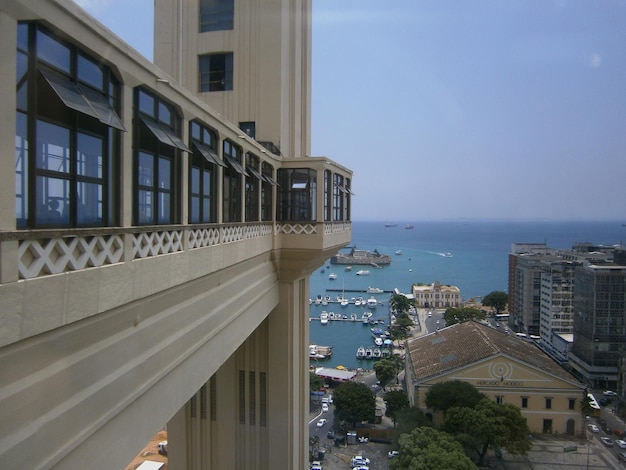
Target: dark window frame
[[215, 72], [231, 182], [205, 161], [216, 15]]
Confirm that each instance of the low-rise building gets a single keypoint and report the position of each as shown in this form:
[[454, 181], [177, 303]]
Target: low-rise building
[[503, 367], [436, 295]]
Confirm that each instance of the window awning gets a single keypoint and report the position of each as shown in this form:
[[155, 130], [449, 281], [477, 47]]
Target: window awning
[[83, 100], [340, 187], [235, 164], [270, 180], [299, 184], [208, 153], [164, 134], [254, 172]]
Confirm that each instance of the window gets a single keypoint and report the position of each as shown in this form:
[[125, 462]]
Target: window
[[524, 402], [499, 399], [548, 403], [338, 197], [65, 134], [249, 128], [231, 209], [216, 15], [572, 403], [297, 192], [267, 184], [156, 164], [328, 195], [216, 72], [253, 181], [203, 172]]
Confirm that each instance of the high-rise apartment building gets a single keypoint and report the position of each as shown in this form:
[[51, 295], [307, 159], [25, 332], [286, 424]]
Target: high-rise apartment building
[[158, 227]]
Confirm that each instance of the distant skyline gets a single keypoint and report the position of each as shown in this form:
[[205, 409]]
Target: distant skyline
[[459, 109]]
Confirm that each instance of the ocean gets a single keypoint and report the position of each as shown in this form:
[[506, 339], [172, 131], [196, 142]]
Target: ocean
[[478, 265]]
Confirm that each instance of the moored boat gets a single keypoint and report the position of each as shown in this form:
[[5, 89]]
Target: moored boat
[[363, 272], [376, 353], [332, 276], [374, 290], [372, 302], [324, 317], [320, 352], [360, 352], [368, 353]]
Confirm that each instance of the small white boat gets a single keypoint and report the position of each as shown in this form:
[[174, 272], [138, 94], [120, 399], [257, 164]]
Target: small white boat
[[332, 276], [398, 252], [331, 316], [365, 318], [357, 302], [324, 318], [325, 300], [353, 316], [376, 353], [318, 300], [348, 268], [409, 226], [360, 352], [344, 303], [447, 255], [374, 290], [363, 272], [378, 341], [372, 302], [369, 353]]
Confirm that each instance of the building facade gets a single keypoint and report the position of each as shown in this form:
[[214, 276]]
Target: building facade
[[503, 367], [154, 259], [436, 295]]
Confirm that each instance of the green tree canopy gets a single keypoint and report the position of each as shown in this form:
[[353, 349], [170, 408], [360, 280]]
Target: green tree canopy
[[354, 403], [426, 448], [488, 424], [396, 402], [445, 395], [410, 418], [496, 299], [462, 314], [315, 381], [400, 303], [386, 370]]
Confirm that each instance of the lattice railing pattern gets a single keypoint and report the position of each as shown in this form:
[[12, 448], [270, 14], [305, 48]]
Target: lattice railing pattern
[[57, 255], [201, 238], [297, 229], [232, 233], [146, 244]]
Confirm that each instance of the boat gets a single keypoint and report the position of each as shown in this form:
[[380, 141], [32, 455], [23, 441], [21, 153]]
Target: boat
[[378, 332], [447, 255], [389, 224], [357, 302], [365, 318], [348, 268], [360, 352], [375, 290], [372, 302], [398, 252], [324, 318], [320, 352], [376, 353], [409, 226], [378, 341], [325, 300], [353, 316], [332, 276], [331, 315], [344, 303], [369, 353], [363, 272], [318, 299]]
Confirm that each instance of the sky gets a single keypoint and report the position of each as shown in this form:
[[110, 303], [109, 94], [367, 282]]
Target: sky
[[461, 109]]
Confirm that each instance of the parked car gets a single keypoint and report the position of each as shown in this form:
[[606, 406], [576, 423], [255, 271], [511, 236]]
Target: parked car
[[324, 407], [162, 448], [359, 461], [321, 422], [392, 453], [330, 434], [316, 465], [622, 456], [609, 393], [593, 428], [607, 441], [620, 443]]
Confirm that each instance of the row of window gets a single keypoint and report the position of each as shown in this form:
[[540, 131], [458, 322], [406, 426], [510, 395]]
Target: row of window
[[67, 143]]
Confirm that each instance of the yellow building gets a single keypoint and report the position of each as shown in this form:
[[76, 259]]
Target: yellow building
[[436, 295], [155, 255], [502, 367]]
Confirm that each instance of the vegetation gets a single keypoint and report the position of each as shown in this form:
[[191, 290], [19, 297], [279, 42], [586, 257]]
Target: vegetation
[[462, 314], [315, 381], [496, 299], [396, 402], [452, 393], [400, 303], [386, 370], [426, 448], [411, 418], [354, 403], [488, 424]]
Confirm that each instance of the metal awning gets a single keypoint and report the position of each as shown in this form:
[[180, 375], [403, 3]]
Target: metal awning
[[235, 164], [164, 134], [254, 172], [208, 153]]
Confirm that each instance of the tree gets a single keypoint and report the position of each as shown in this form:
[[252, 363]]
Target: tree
[[386, 370], [410, 418], [453, 393], [354, 403], [426, 448], [396, 402], [488, 424], [400, 303], [496, 299], [315, 381], [462, 314]]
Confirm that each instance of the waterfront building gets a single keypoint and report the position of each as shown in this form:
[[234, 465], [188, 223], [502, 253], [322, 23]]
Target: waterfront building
[[155, 254], [503, 367], [436, 295], [600, 322]]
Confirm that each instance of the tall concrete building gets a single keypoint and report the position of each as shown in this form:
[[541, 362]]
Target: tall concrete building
[[158, 227]]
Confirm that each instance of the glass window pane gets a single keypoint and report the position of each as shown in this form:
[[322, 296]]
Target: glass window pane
[[165, 115], [165, 179], [206, 183], [89, 72], [206, 209], [195, 180], [146, 103], [146, 169], [21, 170], [89, 155], [53, 147], [195, 209], [195, 131], [144, 207], [52, 197], [21, 82], [22, 36], [164, 208], [53, 52], [89, 207]]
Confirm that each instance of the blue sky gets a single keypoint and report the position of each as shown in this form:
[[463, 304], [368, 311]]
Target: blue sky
[[466, 109]]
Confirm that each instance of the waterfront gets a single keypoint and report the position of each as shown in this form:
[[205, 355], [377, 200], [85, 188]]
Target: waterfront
[[478, 265]]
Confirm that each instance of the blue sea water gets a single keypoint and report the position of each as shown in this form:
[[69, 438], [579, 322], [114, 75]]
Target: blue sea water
[[478, 266]]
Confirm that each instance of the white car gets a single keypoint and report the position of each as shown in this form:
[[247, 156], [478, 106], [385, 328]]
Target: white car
[[359, 461], [621, 443], [609, 393], [315, 465], [593, 428], [321, 422], [607, 441], [324, 407], [393, 453], [330, 399]]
